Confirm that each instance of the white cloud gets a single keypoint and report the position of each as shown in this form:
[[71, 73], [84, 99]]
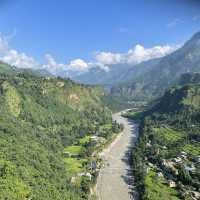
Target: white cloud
[[108, 58], [134, 56], [51, 65], [15, 58], [20, 60], [99, 65], [140, 54], [102, 60], [78, 65]]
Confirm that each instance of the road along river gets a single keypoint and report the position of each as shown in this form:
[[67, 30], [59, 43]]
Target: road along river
[[115, 180]]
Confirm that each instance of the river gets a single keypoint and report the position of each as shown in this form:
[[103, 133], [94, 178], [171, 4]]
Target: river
[[115, 180]]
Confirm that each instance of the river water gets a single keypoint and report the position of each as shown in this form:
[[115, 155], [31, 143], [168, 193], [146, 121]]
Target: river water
[[115, 180]]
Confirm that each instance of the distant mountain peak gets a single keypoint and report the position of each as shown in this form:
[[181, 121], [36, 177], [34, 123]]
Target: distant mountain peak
[[196, 36], [194, 41], [164, 73]]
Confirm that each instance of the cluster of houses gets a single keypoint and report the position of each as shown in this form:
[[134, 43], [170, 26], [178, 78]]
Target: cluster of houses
[[93, 165], [172, 166]]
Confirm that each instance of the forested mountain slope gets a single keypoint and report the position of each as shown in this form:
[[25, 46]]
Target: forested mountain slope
[[40, 118], [12, 70], [7, 69], [118, 73], [163, 74], [167, 155]]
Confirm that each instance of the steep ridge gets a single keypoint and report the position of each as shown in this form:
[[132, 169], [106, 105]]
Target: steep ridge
[[165, 73], [166, 157], [45, 130], [118, 73]]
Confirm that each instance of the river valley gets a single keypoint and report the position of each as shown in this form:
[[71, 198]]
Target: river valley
[[115, 181]]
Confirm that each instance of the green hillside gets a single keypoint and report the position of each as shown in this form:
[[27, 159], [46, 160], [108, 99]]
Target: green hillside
[[7, 69], [156, 76], [39, 119], [178, 98], [165, 159]]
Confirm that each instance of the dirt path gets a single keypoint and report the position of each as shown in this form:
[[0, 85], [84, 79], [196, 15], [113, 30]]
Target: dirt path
[[115, 181]]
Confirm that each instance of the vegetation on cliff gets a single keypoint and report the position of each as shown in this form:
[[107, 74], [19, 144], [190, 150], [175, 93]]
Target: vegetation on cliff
[[49, 128]]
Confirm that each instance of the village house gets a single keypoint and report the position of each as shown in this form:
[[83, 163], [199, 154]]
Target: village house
[[169, 165], [197, 159], [160, 174], [147, 170], [86, 174], [178, 160], [195, 195], [150, 165], [148, 144], [92, 165], [60, 84], [164, 147], [171, 183], [73, 179], [183, 155], [98, 139]]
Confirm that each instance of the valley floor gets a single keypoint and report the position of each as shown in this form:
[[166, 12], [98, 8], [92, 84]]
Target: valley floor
[[115, 181]]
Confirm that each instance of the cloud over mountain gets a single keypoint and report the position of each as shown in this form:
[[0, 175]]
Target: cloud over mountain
[[139, 53], [101, 60], [134, 56], [109, 58], [13, 57]]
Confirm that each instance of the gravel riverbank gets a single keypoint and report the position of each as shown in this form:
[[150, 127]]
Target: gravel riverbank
[[115, 180]]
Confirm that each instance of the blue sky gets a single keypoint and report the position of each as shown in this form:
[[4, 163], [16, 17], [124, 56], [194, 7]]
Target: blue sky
[[70, 29]]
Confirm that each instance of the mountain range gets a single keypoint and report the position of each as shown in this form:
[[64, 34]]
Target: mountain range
[[149, 79]]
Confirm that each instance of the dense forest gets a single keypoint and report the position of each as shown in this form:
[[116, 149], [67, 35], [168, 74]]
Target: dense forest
[[167, 155], [49, 129]]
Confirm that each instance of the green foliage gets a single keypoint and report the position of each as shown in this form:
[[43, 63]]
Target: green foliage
[[136, 115], [169, 143], [115, 103], [76, 150], [74, 165], [193, 149], [12, 99], [156, 188], [85, 140], [168, 135], [12, 186], [40, 119], [7, 69]]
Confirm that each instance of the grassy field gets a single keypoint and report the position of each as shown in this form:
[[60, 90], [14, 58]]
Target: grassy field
[[85, 140], [168, 134], [74, 165], [136, 115], [157, 188], [193, 149], [75, 150]]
